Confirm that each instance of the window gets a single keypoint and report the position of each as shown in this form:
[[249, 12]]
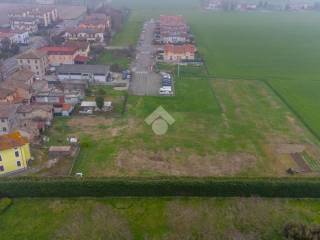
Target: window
[[18, 163], [4, 129], [0, 158], [3, 120], [1, 168], [16, 153]]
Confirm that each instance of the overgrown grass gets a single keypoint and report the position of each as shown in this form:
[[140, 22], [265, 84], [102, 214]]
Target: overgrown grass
[[141, 218]]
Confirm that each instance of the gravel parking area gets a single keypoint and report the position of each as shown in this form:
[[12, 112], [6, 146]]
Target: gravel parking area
[[144, 80]]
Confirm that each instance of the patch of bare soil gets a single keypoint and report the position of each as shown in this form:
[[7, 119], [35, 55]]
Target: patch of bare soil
[[177, 163], [87, 122], [289, 148]]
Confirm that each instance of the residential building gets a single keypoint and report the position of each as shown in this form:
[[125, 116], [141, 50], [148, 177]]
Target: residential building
[[35, 61], [58, 55], [7, 95], [15, 36], [89, 73], [42, 16], [172, 29], [178, 53], [20, 83], [21, 37], [28, 24], [97, 21], [85, 34], [8, 121], [83, 47], [14, 153], [33, 119], [83, 50]]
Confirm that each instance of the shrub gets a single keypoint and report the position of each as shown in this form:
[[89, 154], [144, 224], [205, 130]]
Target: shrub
[[163, 186]]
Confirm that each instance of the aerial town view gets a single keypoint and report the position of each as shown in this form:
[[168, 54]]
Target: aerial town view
[[159, 120]]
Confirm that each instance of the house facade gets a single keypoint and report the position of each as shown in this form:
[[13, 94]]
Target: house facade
[[20, 83], [35, 61], [96, 21], [172, 29], [33, 119], [14, 153], [42, 16], [8, 119], [85, 34], [27, 24]]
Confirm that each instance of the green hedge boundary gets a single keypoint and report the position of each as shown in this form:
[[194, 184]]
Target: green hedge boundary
[[160, 187]]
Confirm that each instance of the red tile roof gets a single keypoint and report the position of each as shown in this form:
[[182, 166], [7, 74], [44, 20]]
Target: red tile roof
[[172, 20], [12, 140], [59, 50], [179, 49], [82, 59]]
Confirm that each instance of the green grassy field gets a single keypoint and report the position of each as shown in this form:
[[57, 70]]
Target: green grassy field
[[278, 47], [303, 96], [112, 57], [217, 132], [164, 218]]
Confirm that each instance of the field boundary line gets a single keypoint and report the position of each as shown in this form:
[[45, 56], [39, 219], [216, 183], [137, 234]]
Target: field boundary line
[[301, 119]]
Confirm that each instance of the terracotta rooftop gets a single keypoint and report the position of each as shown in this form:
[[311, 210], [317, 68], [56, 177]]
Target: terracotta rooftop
[[12, 140], [21, 75], [82, 59], [84, 30], [5, 92], [179, 49], [27, 108], [172, 20], [59, 50], [78, 44], [33, 54], [7, 110]]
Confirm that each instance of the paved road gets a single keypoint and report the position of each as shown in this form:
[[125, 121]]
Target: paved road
[[145, 81]]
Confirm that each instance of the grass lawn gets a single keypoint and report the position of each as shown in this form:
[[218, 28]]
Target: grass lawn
[[223, 127], [217, 132], [150, 218], [303, 96], [112, 57], [276, 46]]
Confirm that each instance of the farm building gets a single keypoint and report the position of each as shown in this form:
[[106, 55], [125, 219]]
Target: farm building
[[91, 73]]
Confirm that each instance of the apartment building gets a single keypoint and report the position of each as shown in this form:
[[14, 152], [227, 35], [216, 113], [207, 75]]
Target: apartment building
[[35, 61]]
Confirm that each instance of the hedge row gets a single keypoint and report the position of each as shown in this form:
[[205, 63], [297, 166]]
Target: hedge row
[[152, 187]]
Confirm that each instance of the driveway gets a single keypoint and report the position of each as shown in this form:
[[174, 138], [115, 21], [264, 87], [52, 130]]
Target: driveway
[[144, 80]]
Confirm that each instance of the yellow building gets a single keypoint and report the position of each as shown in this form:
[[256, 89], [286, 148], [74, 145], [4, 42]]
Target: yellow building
[[14, 153]]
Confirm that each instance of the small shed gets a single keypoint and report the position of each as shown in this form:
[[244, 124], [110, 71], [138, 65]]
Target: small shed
[[60, 151]]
